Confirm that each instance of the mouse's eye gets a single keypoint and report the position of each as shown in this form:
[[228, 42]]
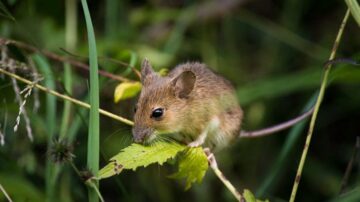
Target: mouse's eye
[[157, 113]]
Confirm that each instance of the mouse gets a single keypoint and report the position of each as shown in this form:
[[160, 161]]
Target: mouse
[[192, 105]]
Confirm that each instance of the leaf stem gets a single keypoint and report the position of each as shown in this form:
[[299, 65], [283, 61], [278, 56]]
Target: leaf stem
[[317, 106]]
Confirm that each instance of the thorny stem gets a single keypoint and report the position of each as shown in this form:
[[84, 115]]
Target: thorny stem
[[5, 193], [221, 176], [60, 58], [317, 106], [65, 97]]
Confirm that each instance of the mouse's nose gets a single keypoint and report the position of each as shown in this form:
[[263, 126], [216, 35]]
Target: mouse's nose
[[140, 133], [138, 139]]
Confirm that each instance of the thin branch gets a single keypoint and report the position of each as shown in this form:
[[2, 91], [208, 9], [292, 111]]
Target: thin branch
[[5, 193], [221, 176], [65, 97], [60, 58], [317, 106]]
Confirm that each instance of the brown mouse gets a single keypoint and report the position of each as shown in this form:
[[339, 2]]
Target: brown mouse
[[192, 105]]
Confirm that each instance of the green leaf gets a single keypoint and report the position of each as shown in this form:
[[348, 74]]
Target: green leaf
[[193, 164], [163, 72], [250, 197], [137, 155], [126, 90]]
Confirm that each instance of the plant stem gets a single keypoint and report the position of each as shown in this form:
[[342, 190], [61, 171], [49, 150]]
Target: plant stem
[[221, 176], [65, 97], [5, 193], [317, 106]]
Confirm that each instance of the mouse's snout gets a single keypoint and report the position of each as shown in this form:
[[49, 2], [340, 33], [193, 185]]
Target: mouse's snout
[[141, 133]]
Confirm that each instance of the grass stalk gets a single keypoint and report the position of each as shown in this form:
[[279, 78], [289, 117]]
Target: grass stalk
[[5, 193], [317, 106], [51, 170], [70, 43], [93, 150]]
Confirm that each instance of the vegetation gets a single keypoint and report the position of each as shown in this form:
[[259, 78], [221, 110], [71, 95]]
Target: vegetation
[[69, 76]]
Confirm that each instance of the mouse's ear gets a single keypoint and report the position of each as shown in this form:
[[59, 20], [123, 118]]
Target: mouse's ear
[[184, 83], [146, 69]]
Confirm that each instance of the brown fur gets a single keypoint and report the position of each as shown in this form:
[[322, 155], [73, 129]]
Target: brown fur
[[193, 97]]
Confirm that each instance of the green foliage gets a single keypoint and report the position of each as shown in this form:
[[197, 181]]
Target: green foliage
[[137, 155], [19, 188], [126, 90], [163, 72], [193, 165], [193, 162], [250, 197]]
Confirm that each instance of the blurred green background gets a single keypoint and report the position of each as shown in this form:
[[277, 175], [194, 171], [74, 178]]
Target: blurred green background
[[272, 51]]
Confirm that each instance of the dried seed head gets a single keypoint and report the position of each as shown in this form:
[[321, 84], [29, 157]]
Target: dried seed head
[[61, 151]]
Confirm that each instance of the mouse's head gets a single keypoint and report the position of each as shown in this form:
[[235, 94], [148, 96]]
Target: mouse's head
[[162, 103]]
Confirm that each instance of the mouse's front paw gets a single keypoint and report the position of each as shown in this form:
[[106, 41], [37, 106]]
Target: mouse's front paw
[[195, 143]]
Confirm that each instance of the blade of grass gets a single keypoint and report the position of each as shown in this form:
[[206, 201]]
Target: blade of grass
[[51, 170], [355, 9], [93, 150], [70, 43], [112, 18], [317, 106]]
